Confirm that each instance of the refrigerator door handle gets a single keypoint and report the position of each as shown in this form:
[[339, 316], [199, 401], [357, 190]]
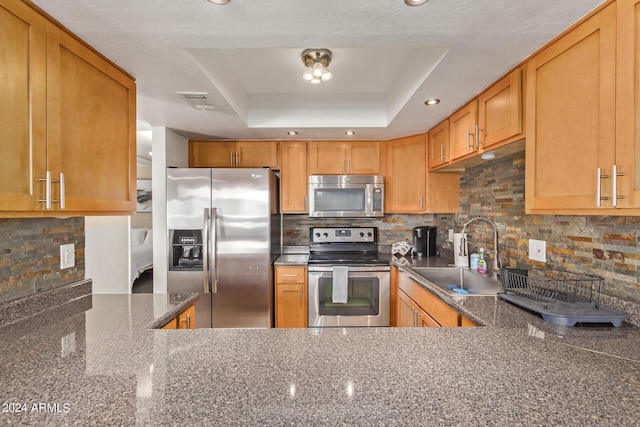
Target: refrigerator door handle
[[206, 267], [213, 254]]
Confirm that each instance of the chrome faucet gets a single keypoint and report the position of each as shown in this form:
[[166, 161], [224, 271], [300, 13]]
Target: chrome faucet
[[496, 258]]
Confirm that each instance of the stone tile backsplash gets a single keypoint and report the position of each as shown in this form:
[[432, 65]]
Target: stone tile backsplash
[[30, 249], [601, 245]]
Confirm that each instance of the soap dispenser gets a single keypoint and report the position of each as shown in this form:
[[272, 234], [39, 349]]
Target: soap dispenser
[[482, 264]]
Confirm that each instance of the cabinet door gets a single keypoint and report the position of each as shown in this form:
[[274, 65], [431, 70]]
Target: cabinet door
[[91, 127], [293, 177], [211, 154], [326, 157], [187, 319], [23, 107], [571, 118], [463, 131], [500, 111], [439, 145], [406, 175], [257, 154], [363, 157], [291, 310], [628, 103], [406, 311]]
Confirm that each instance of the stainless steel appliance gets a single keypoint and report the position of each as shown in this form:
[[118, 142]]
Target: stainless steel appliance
[[346, 196], [224, 234], [424, 241], [348, 278]]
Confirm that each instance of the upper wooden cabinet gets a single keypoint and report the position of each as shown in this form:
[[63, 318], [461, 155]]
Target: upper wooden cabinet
[[343, 157], [438, 144], [575, 136], [229, 154], [23, 112], [408, 186], [67, 114], [463, 131], [500, 112], [293, 177]]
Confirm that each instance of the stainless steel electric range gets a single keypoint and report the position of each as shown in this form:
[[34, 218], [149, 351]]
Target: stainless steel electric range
[[348, 278]]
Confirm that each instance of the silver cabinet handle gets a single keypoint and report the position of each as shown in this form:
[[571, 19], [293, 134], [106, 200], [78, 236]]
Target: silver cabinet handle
[[469, 145], [442, 152], [421, 202], [47, 190], [301, 292], [231, 158], [349, 166], [599, 197], [62, 191], [614, 186], [187, 320], [477, 137], [236, 158], [342, 165]]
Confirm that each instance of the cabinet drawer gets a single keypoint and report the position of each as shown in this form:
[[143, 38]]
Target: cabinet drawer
[[291, 274], [434, 307]]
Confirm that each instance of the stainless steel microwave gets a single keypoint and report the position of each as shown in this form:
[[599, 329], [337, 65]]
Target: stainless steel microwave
[[346, 196]]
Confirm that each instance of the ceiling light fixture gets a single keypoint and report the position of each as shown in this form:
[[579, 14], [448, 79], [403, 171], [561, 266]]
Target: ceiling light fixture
[[220, 2], [432, 101], [411, 2], [316, 62]]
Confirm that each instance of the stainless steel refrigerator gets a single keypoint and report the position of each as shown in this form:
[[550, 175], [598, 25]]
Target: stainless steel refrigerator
[[224, 233]]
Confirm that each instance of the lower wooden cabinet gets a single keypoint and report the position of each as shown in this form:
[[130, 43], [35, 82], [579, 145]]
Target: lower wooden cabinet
[[291, 297], [416, 306], [184, 320]]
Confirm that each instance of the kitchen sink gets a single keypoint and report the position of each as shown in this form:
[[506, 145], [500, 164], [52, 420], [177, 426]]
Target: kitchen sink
[[460, 280]]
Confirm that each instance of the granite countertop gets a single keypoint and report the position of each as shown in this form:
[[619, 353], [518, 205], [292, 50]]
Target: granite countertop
[[95, 361]]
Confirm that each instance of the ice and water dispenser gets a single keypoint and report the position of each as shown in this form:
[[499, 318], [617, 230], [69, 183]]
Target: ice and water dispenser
[[186, 250]]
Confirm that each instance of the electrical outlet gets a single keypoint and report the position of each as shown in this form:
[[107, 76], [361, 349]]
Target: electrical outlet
[[67, 256], [538, 250], [450, 236]]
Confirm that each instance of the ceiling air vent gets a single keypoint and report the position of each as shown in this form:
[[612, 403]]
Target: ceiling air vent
[[198, 100]]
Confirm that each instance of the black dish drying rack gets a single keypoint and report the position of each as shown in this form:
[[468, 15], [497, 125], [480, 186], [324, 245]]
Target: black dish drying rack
[[561, 297]]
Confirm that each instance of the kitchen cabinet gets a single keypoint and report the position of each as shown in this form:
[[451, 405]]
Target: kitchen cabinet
[[228, 154], [409, 188], [500, 112], [463, 131], [291, 297], [416, 306], [23, 110], [582, 118], [628, 106], [184, 320], [81, 122], [344, 157], [293, 177], [438, 143]]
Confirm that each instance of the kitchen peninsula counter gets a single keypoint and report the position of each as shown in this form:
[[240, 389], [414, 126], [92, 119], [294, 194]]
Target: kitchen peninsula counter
[[95, 362]]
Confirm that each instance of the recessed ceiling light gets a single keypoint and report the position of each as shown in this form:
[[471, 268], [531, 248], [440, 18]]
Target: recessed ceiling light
[[292, 132], [219, 1], [432, 101], [350, 132], [411, 2]]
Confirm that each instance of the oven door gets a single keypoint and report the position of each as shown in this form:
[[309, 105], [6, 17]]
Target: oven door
[[367, 303]]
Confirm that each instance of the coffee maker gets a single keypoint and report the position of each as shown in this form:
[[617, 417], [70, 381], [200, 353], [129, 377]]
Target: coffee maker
[[424, 241]]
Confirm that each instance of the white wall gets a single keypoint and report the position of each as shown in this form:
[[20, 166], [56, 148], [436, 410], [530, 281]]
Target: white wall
[[169, 150], [107, 253]]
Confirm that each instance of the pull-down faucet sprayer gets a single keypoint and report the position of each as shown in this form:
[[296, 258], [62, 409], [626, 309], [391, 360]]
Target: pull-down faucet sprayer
[[496, 258]]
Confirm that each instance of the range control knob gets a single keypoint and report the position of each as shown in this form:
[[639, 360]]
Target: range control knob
[[361, 234], [317, 234], [325, 234], [369, 234]]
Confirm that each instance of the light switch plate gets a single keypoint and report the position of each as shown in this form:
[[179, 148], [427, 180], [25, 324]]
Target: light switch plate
[[450, 235], [538, 250], [67, 256]]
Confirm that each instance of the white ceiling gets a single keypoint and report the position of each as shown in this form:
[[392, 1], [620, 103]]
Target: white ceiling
[[388, 58]]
